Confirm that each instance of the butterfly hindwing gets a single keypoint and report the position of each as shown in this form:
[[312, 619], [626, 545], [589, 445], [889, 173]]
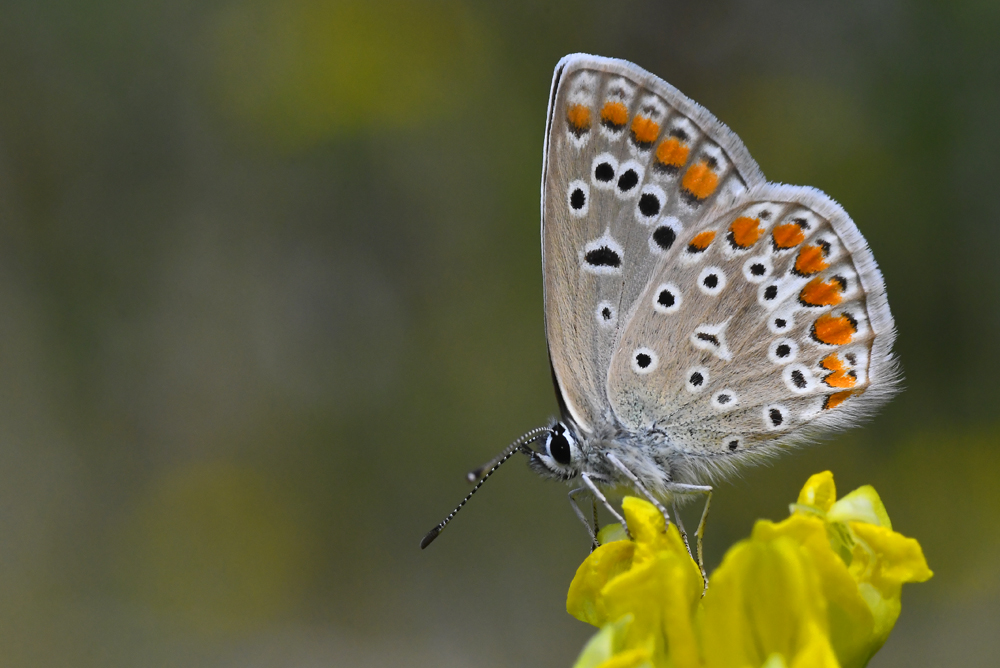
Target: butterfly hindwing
[[630, 167], [777, 325]]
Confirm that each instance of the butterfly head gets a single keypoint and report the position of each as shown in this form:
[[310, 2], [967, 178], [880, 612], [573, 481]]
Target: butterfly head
[[560, 455]]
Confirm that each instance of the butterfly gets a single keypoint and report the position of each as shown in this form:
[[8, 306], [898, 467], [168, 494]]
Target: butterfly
[[698, 317]]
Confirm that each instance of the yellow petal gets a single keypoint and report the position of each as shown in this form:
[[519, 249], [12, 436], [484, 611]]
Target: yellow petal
[[605, 563], [815, 651], [663, 596], [775, 661], [819, 491], [898, 559], [662, 589], [861, 505], [646, 524], [610, 533], [762, 599], [852, 623], [606, 647], [645, 521], [630, 658], [885, 611]]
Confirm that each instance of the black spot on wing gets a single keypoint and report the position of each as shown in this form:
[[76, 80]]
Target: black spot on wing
[[664, 237], [603, 257]]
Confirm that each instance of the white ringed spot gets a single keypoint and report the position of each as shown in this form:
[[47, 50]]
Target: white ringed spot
[[758, 269], [782, 322], [725, 400], [663, 237], [782, 351], [652, 199], [606, 314], [776, 417], [696, 379], [667, 298], [578, 198], [711, 280], [644, 360], [602, 256], [628, 178], [798, 378], [602, 171]]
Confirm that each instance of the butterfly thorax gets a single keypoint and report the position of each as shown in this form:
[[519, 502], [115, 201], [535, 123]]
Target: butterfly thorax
[[650, 454]]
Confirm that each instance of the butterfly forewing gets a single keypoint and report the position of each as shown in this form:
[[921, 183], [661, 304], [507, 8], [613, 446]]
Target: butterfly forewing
[[631, 167], [778, 324]]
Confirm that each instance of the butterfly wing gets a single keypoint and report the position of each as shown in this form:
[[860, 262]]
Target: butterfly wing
[[630, 166], [764, 324]]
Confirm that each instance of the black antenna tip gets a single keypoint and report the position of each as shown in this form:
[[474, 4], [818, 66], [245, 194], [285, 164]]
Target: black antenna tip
[[429, 538]]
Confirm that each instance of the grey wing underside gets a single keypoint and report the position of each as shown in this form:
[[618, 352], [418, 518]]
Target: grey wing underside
[[793, 336], [630, 166]]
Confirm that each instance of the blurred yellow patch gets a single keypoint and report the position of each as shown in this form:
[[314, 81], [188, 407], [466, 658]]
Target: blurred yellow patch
[[820, 589], [304, 71], [214, 546]]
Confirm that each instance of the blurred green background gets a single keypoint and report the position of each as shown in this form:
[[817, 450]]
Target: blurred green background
[[270, 285]]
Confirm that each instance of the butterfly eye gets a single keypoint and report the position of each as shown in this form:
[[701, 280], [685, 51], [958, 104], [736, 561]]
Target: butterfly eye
[[558, 447]]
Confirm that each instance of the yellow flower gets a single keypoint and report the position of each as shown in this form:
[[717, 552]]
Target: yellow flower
[[878, 559], [819, 589], [652, 578], [766, 605]]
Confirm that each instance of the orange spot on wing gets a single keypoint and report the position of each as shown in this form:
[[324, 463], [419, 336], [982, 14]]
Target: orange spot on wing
[[841, 376], [644, 131], [818, 292], [787, 236], [579, 117], [810, 260], [701, 241], [832, 362], [745, 231], [700, 181], [835, 399], [614, 115], [672, 153], [834, 330]]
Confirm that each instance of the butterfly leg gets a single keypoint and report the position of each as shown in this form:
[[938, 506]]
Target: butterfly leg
[[680, 527], [681, 488], [579, 513], [611, 457], [600, 497], [699, 533]]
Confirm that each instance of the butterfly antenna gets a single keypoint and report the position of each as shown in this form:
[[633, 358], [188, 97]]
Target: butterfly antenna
[[477, 474]]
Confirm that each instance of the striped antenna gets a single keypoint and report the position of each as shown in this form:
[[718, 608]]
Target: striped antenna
[[477, 474]]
